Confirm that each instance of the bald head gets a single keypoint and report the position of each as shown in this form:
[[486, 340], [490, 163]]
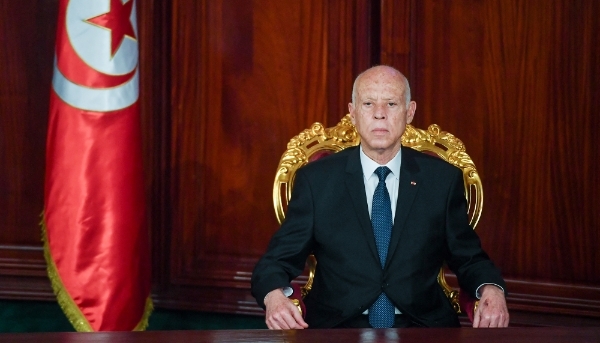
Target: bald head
[[379, 71], [380, 110]]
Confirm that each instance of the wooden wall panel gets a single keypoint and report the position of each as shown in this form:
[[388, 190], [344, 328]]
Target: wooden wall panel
[[549, 69], [517, 82], [225, 85], [397, 31], [26, 49], [154, 43], [245, 77]]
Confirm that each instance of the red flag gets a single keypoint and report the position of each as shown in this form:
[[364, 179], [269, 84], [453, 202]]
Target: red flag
[[95, 234]]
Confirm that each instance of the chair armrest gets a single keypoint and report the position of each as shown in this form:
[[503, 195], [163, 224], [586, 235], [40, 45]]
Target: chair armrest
[[468, 304], [296, 298]]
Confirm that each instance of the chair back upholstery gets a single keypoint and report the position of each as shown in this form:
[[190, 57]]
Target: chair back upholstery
[[318, 141]]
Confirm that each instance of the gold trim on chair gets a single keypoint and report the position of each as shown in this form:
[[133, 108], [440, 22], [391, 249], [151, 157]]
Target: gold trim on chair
[[318, 139]]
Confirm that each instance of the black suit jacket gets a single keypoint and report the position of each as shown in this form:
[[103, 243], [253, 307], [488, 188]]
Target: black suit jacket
[[328, 216]]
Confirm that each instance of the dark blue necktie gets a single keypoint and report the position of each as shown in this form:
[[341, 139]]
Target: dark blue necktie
[[381, 313]]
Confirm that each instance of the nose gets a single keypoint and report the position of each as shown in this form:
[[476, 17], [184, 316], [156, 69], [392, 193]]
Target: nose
[[379, 112]]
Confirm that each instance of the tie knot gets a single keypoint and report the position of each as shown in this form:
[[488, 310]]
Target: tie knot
[[382, 173]]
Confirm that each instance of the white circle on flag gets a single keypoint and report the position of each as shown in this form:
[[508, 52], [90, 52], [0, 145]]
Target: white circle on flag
[[92, 43], [96, 99]]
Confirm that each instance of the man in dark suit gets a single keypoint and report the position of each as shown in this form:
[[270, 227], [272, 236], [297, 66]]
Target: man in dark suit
[[380, 219]]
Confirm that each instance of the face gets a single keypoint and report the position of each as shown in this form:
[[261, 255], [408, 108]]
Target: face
[[380, 112]]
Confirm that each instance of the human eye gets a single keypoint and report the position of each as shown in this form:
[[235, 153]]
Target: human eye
[[392, 104]]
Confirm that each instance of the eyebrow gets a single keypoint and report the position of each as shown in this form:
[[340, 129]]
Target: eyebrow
[[384, 99]]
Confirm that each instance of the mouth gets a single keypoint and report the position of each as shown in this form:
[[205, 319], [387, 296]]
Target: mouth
[[379, 131]]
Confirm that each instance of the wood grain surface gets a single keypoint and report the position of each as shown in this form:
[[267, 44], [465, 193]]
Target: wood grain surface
[[226, 84]]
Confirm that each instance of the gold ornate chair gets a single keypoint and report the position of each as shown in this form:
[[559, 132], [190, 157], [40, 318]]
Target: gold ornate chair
[[317, 142]]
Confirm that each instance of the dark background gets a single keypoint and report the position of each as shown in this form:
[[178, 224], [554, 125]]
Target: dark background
[[226, 83]]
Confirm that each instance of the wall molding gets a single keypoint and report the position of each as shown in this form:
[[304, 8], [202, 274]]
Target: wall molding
[[24, 278]]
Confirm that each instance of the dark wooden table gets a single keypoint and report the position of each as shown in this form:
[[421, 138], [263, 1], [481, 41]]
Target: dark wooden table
[[510, 335]]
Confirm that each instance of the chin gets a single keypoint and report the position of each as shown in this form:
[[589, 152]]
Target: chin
[[381, 143]]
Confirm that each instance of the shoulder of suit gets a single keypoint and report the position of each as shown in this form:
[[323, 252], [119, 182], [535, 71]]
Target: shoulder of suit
[[428, 162], [336, 160]]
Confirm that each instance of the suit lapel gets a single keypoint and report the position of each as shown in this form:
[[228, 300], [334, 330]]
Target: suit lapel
[[407, 189], [356, 189]]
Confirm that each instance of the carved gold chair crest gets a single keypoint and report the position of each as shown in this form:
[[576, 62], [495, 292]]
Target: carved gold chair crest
[[316, 142]]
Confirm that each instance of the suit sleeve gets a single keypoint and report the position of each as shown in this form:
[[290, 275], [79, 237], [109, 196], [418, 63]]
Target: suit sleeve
[[289, 247], [466, 258]]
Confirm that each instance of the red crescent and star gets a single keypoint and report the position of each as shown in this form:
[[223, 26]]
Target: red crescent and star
[[116, 20]]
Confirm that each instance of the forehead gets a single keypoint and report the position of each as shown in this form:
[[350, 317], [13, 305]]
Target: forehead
[[381, 84]]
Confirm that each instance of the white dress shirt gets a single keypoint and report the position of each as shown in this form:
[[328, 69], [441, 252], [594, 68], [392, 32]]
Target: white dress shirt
[[371, 179]]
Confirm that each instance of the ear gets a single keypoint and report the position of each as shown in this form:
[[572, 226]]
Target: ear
[[410, 113], [351, 109]]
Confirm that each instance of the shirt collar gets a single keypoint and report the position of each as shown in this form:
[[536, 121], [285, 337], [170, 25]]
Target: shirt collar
[[369, 166]]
